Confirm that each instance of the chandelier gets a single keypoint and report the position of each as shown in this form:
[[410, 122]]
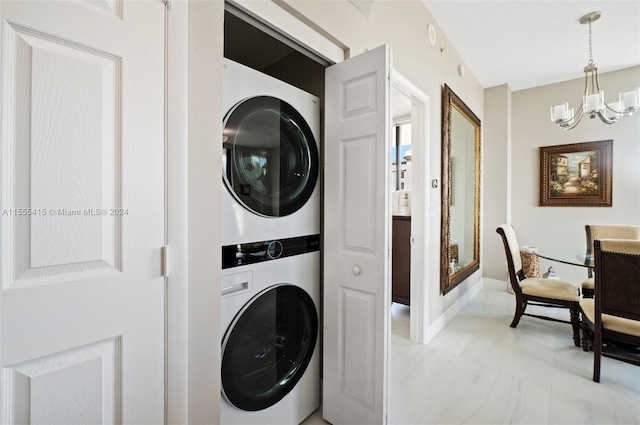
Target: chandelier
[[593, 103]]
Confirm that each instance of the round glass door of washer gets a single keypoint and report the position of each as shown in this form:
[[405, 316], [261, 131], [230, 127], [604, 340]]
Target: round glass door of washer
[[268, 347], [269, 156]]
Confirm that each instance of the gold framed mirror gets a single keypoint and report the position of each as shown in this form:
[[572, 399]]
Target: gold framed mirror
[[460, 231]]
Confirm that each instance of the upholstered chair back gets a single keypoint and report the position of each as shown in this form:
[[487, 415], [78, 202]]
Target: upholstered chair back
[[610, 231], [618, 278], [514, 248]]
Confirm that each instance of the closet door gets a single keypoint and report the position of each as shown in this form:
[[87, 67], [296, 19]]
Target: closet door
[[356, 239]]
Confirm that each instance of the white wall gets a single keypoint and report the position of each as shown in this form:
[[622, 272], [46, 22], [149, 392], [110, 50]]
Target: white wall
[[531, 129], [403, 26]]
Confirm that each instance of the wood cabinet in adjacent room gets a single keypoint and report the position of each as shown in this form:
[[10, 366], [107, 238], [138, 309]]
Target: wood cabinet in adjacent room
[[401, 259]]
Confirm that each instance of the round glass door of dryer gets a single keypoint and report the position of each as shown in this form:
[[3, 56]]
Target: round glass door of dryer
[[268, 347], [269, 156]]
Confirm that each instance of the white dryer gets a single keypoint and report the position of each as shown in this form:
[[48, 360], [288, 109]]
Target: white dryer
[[270, 350], [270, 158]]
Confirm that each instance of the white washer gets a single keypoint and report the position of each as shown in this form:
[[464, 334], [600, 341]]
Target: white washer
[[270, 325], [270, 158]]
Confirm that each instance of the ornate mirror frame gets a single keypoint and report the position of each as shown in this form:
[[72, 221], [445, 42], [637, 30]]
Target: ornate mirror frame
[[452, 273]]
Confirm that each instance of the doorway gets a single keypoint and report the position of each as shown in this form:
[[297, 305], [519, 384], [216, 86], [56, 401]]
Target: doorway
[[400, 185], [410, 221]]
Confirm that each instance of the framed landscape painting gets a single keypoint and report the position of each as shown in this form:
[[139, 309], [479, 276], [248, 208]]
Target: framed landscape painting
[[575, 175]]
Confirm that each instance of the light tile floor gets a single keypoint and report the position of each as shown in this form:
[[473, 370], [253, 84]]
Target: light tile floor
[[478, 370]]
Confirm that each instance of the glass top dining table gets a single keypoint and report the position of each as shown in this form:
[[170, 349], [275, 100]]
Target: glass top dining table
[[574, 257]]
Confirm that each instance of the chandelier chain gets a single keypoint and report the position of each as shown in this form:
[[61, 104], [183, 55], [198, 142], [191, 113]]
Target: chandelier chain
[[590, 49]]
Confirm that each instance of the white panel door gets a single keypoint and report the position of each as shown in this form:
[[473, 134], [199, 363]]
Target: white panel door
[[356, 239], [82, 212]]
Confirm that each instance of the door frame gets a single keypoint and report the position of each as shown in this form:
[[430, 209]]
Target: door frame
[[418, 315], [177, 305], [194, 77]]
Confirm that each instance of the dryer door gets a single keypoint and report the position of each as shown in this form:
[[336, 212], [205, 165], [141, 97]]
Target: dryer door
[[270, 157], [268, 346]]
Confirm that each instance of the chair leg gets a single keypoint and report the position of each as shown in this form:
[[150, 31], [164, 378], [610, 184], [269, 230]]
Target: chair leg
[[521, 306], [587, 338], [597, 355], [575, 323]]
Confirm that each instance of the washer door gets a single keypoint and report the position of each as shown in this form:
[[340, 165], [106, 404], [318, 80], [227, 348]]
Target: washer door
[[268, 347], [269, 156]]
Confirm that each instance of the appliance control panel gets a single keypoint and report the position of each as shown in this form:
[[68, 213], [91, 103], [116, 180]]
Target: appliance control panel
[[256, 252]]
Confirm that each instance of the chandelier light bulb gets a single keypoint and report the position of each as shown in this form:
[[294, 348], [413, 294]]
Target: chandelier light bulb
[[615, 109], [560, 112], [594, 102], [631, 100]]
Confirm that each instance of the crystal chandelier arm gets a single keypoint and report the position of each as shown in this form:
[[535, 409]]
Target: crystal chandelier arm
[[595, 81], [605, 119], [570, 123], [616, 111], [586, 81]]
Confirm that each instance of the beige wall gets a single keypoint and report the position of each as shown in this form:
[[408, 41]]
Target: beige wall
[[495, 182], [531, 128], [403, 26]]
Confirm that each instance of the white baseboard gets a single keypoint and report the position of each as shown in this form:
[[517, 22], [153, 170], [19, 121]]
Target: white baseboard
[[451, 312], [495, 284]]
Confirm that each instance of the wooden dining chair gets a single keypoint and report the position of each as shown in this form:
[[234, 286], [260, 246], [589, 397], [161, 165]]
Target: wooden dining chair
[[538, 291], [604, 231], [614, 314]]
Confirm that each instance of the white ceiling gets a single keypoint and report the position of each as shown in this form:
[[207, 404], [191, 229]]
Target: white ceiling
[[527, 43]]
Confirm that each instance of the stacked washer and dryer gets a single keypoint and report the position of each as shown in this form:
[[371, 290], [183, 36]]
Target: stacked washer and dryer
[[271, 250]]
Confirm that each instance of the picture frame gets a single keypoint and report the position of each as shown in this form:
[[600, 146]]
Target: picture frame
[[576, 175]]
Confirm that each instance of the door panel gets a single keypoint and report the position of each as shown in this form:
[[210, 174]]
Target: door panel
[[65, 141], [359, 195], [356, 242], [357, 366], [82, 212], [78, 386]]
